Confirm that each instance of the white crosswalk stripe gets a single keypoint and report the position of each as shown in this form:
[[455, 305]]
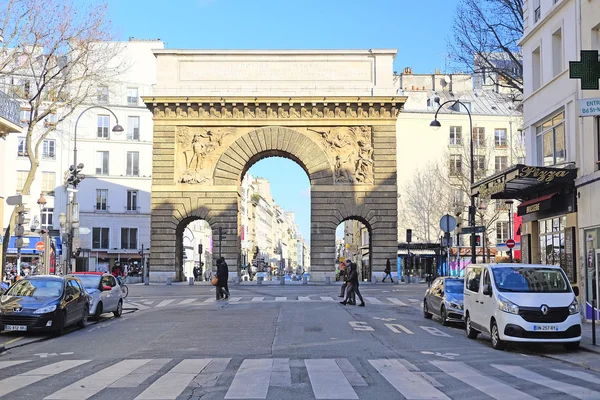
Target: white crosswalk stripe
[[396, 301], [20, 381], [234, 299], [187, 301], [90, 385], [258, 298], [165, 303], [327, 298], [373, 300], [572, 390], [167, 379], [303, 298], [485, 384], [280, 298]]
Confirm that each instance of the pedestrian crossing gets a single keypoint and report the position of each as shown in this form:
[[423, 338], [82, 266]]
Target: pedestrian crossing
[[143, 304], [268, 378]]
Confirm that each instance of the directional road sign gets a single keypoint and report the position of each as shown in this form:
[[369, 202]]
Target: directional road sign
[[473, 229]]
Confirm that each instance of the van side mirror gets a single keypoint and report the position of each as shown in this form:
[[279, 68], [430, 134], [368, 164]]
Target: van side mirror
[[487, 290], [576, 291]]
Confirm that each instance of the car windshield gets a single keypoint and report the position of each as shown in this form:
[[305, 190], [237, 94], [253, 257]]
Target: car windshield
[[454, 286], [36, 288], [89, 281], [530, 280]]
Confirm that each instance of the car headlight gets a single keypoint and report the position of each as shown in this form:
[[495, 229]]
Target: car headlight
[[45, 310], [456, 306], [507, 305], [574, 307]]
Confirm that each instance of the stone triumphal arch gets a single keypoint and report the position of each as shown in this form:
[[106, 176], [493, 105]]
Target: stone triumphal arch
[[218, 112]]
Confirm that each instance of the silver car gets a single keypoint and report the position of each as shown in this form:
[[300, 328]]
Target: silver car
[[445, 299], [104, 291]]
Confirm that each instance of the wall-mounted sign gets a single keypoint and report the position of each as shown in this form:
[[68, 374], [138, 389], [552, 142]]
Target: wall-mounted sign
[[589, 107], [491, 188], [544, 174], [588, 70]]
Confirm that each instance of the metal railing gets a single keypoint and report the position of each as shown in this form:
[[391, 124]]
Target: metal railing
[[10, 109]]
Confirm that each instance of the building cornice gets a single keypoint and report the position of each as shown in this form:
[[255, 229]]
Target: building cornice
[[275, 108], [538, 25], [274, 52]]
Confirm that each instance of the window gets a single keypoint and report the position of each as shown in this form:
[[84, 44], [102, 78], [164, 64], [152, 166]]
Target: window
[[365, 237], [100, 238], [501, 205], [133, 163], [73, 288], [48, 182], [47, 218], [457, 197], [49, 149], [537, 11], [501, 163], [501, 232], [50, 119], [479, 137], [133, 128], [551, 141], [455, 135], [521, 136], [129, 238], [21, 178], [536, 65], [101, 199], [473, 277], [552, 244], [108, 280], [455, 165], [25, 115], [102, 163], [520, 160], [500, 137], [557, 53], [102, 95], [132, 97], [480, 167], [103, 123], [22, 149], [132, 196]]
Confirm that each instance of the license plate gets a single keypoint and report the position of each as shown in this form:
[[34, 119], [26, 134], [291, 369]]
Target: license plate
[[15, 328], [542, 328]]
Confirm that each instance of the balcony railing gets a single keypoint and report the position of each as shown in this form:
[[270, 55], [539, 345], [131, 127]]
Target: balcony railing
[[132, 210], [101, 209], [10, 109], [133, 172]]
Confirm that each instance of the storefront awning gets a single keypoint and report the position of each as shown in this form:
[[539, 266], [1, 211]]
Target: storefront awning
[[418, 252], [30, 248], [522, 182], [537, 204]]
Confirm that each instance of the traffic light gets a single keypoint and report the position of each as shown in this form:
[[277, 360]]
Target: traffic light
[[200, 249], [21, 221], [221, 234], [408, 235], [477, 240], [75, 175]]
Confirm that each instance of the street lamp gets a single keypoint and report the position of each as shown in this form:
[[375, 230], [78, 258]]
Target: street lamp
[[435, 125], [73, 226], [44, 235]]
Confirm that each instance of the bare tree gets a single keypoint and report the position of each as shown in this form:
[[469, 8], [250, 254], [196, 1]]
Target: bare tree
[[423, 201], [53, 55], [484, 40]]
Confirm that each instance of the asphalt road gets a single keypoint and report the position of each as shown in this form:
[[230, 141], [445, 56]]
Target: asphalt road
[[290, 342]]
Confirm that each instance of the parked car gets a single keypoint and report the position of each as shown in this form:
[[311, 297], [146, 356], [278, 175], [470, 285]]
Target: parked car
[[104, 291], [521, 303], [445, 299], [44, 303]]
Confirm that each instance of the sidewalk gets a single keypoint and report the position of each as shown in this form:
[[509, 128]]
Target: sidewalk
[[586, 338]]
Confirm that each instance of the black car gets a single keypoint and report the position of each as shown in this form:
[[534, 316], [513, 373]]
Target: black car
[[445, 299], [44, 303]]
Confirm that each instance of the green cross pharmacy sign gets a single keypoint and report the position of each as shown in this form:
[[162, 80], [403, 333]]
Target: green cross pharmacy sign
[[588, 70]]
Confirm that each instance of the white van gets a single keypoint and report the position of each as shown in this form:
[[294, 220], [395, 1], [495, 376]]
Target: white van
[[521, 303]]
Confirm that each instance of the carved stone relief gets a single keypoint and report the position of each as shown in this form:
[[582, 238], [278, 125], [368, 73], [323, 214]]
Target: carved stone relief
[[349, 150], [197, 152]]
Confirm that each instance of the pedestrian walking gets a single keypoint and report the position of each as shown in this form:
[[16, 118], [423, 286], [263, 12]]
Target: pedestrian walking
[[353, 286], [388, 270], [222, 276], [207, 275], [344, 278]]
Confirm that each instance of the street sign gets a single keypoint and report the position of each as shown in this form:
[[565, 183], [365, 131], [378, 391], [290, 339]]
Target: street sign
[[14, 200], [472, 229], [510, 243], [589, 107], [588, 70], [447, 223], [84, 231], [40, 246], [54, 232]]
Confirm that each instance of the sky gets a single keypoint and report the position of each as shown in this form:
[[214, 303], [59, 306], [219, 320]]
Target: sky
[[418, 29]]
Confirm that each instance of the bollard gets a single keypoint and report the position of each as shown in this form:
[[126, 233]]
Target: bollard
[[304, 280], [328, 280], [169, 280], [282, 281], [259, 280], [191, 281], [146, 281], [236, 280]]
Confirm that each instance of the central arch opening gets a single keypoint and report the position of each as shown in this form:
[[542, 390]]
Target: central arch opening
[[274, 218]]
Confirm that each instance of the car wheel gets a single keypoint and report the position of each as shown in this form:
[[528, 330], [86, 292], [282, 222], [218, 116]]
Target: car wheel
[[426, 312], [119, 309], [444, 316], [497, 343], [572, 346], [83, 322], [62, 324], [471, 333], [99, 311]]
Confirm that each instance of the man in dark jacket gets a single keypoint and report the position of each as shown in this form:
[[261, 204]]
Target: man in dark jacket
[[387, 270], [222, 276], [353, 286], [344, 277]]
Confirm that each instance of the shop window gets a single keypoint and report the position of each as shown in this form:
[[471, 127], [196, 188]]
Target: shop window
[[552, 244], [551, 149]]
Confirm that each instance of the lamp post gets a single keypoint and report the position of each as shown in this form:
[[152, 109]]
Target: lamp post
[[509, 203], [44, 235], [72, 207], [62, 220], [435, 124]]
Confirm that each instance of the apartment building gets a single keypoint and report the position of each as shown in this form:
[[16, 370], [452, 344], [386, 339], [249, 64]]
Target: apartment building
[[563, 226]]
